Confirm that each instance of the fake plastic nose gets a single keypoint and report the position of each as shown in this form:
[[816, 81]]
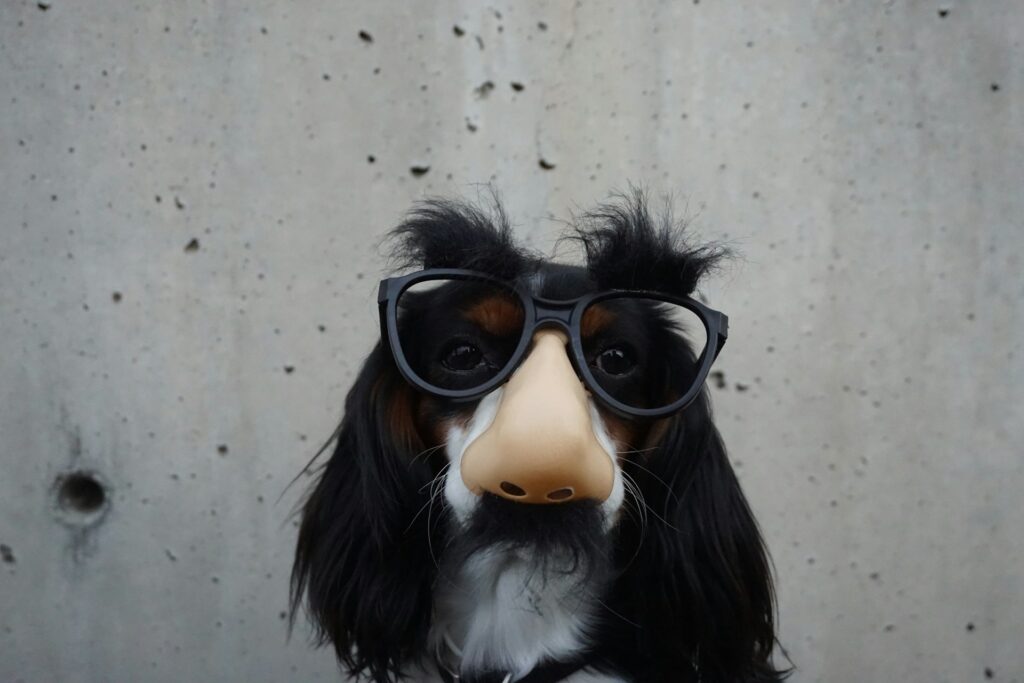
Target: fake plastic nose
[[541, 447]]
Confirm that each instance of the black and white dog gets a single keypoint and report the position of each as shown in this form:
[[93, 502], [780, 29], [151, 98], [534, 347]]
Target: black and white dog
[[592, 537]]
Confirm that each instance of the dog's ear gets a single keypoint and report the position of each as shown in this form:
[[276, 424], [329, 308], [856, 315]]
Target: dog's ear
[[363, 567], [695, 574]]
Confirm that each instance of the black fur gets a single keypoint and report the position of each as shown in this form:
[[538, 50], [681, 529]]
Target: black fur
[[694, 586], [688, 589], [628, 248]]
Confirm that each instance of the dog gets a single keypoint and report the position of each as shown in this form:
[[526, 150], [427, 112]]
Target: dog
[[521, 488]]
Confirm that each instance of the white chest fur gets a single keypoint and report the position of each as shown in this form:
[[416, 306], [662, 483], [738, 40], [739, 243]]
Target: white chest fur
[[501, 612]]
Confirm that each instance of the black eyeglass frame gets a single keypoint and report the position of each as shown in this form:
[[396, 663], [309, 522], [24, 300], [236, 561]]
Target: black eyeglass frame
[[540, 312]]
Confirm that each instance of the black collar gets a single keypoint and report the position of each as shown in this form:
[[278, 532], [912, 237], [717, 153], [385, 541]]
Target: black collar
[[549, 672]]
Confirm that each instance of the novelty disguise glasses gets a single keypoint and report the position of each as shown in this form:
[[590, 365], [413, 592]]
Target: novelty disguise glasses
[[458, 334]]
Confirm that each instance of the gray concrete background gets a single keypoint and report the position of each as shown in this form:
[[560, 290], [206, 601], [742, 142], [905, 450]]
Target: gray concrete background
[[866, 157]]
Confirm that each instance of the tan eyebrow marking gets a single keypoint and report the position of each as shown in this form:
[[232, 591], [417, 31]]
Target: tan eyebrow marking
[[497, 315], [595, 319]]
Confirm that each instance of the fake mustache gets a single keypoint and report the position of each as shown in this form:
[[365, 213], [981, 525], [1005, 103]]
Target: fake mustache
[[565, 539]]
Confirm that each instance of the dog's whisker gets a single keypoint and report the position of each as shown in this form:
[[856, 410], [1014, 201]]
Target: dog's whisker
[[430, 498], [637, 450], [656, 478], [427, 451], [648, 507]]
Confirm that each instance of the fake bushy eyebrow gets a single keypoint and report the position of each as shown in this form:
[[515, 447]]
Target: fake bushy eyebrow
[[629, 248], [440, 233]]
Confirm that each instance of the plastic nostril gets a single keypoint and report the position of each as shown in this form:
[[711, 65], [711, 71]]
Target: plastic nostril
[[512, 490], [561, 494]]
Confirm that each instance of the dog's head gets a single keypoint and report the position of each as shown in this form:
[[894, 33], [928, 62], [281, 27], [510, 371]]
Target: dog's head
[[549, 413]]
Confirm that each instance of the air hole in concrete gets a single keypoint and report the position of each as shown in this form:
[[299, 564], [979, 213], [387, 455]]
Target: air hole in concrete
[[512, 490], [484, 89], [6, 554], [365, 37], [560, 494], [81, 493]]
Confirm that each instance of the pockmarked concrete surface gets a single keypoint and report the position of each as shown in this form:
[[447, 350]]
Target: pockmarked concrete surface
[[192, 196]]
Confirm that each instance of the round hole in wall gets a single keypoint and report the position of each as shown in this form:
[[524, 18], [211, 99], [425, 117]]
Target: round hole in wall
[[81, 493]]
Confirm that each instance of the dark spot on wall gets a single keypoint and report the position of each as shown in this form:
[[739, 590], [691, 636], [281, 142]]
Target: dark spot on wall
[[741, 387], [289, 369], [80, 493], [158, 199], [263, 30], [889, 628], [479, 42], [53, 197], [6, 554], [116, 296], [545, 164], [994, 87], [517, 86], [943, 13], [989, 673], [470, 126], [322, 328], [178, 204], [542, 26], [371, 159], [418, 171], [170, 555], [970, 626], [193, 245], [326, 77], [365, 37], [484, 89], [222, 449], [457, 30], [717, 378], [44, 5]]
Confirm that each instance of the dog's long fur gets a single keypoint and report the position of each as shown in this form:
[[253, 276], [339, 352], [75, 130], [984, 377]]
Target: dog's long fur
[[687, 585]]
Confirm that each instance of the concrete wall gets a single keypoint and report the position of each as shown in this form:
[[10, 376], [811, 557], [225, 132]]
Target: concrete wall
[[190, 201]]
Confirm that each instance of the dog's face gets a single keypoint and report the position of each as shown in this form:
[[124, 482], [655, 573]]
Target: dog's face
[[540, 438], [484, 440]]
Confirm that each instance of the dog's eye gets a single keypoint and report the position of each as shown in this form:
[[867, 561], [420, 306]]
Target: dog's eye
[[615, 360], [462, 356]]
